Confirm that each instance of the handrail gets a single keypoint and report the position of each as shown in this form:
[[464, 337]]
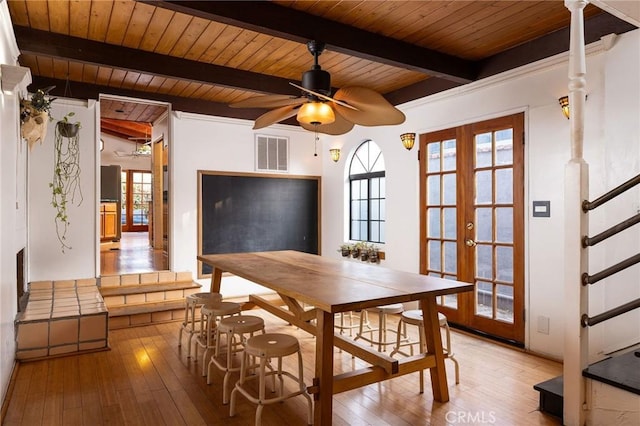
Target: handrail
[[590, 205], [592, 241], [622, 309], [591, 279]]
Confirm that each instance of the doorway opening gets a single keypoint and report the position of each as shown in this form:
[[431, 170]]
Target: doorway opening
[[134, 198]]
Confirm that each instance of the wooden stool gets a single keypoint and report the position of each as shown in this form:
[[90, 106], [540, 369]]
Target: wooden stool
[[265, 347], [236, 329], [211, 314], [382, 329], [190, 325], [414, 317], [351, 317]]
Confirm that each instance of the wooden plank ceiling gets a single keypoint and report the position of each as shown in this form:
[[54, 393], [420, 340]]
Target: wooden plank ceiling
[[201, 56]]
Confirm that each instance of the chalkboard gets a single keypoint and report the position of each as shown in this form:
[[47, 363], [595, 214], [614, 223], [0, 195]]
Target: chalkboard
[[257, 212]]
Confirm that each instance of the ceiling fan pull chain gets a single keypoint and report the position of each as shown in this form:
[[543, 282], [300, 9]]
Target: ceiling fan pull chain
[[315, 144]]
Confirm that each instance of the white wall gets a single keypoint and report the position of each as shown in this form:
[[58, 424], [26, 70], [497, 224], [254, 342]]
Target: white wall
[[13, 232], [611, 149], [46, 258]]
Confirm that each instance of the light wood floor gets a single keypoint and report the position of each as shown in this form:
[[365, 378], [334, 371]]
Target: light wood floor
[[146, 379], [134, 255]]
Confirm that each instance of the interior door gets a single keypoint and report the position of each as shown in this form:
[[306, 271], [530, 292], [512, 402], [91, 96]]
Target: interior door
[[472, 222]]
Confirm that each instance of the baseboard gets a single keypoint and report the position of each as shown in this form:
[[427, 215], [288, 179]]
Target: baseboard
[[9, 392]]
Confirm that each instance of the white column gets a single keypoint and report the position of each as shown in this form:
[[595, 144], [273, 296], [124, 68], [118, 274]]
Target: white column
[[576, 341]]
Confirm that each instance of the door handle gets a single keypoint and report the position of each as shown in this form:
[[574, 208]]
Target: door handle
[[470, 243]]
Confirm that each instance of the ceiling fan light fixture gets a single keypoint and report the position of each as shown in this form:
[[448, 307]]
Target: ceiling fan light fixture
[[316, 113]]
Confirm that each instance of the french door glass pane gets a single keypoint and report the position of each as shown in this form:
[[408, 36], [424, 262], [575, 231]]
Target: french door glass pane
[[123, 201], [433, 221], [505, 302], [433, 165], [450, 257], [504, 147], [484, 150], [504, 224], [484, 261], [449, 189], [449, 214], [449, 155], [504, 261], [484, 224], [504, 186], [484, 299], [434, 256], [484, 187], [433, 190]]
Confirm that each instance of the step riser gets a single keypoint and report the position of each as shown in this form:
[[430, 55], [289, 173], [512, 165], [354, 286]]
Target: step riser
[[126, 321]]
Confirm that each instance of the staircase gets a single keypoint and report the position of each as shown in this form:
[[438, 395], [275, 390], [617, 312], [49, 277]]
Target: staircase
[[146, 298]]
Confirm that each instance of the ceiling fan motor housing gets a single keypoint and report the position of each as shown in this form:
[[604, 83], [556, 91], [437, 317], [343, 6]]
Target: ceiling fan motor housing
[[317, 80]]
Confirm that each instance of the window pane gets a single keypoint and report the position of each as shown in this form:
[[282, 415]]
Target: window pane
[[364, 214], [484, 224], [383, 189], [355, 211], [433, 165], [504, 146], [484, 187], [433, 220], [483, 150], [363, 231], [450, 257], [382, 233], [449, 155], [484, 299], [450, 223], [375, 231], [433, 190], [504, 186], [364, 190], [504, 261], [434, 255], [375, 188], [355, 230], [449, 189], [375, 210], [504, 224], [484, 261], [383, 212], [505, 303]]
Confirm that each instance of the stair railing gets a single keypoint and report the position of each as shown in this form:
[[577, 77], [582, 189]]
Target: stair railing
[[611, 270]]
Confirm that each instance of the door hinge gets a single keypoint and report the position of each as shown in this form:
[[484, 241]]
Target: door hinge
[[418, 155], [524, 315]]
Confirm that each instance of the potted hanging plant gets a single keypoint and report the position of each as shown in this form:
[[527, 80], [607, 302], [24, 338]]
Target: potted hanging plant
[[34, 116], [65, 186], [345, 249]]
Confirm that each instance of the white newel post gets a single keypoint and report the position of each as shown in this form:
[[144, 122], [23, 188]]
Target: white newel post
[[576, 338]]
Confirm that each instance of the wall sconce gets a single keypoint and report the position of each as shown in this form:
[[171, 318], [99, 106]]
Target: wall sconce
[[408, 139], [564, 104], [335, 154]]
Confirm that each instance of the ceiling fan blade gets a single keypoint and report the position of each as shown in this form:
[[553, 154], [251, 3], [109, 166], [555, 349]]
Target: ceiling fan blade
[[338, 127], [372, 108], [269, 101], [326, 98], [274, 116]]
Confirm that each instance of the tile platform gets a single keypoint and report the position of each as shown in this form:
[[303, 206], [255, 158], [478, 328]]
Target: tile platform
[[62, 317]]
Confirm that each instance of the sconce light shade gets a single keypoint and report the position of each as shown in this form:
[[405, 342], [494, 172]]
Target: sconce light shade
[[408, 139], [335, 154], [564, 104], [316, 113]]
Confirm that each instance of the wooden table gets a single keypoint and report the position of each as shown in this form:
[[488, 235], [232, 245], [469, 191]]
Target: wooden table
[[332, 286]]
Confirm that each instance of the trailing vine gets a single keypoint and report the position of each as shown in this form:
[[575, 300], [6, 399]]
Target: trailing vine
[[66, 177]]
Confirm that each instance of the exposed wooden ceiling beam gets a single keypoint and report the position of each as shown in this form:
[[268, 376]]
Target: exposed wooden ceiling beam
[[291, 24], [60, 46], [93, 91]]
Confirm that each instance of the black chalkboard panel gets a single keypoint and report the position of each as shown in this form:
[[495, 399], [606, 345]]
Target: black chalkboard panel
[[256, 212]]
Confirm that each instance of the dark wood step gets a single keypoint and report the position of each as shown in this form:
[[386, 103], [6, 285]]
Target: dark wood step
[[551, 397], [620, 371]]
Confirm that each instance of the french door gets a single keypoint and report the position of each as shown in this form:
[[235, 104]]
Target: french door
[[136, 197], [472, 222]]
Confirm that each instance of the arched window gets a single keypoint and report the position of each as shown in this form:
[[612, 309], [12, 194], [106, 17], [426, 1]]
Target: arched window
[[367, 194]]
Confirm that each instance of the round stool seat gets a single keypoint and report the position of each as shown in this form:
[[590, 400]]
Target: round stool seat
[[218, 309], [205, 297], [414, 317], [241, 324], [272, 345], [394, 308]]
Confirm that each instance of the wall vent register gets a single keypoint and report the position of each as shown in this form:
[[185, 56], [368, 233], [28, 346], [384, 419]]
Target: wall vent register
[[272, 153]]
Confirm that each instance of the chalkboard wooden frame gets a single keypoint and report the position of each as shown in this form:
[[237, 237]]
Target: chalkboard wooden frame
[[283, 210]]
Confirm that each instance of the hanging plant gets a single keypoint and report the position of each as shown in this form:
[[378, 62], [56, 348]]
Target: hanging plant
[[34, 116], [66, 174]]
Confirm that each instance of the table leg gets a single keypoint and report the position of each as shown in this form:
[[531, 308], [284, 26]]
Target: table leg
[[216, 279], [323, 408], [434, 347]]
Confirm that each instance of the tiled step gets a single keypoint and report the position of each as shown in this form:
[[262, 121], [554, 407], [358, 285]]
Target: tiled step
[[142, 299], [61, 318]]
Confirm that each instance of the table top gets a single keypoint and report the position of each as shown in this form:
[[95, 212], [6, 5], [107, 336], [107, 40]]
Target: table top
[[332, 285]]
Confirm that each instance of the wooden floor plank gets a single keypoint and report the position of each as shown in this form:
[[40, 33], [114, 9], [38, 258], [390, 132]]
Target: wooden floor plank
[[146, 379]]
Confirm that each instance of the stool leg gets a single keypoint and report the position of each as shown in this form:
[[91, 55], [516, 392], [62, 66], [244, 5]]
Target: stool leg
[[231, 342], [450, 353], [234, 392], [381, 331], [423, 349], [303, 390], [396, 349]]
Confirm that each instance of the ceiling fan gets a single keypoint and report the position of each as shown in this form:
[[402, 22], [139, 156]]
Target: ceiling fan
[[317, 111], [143, 150]]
